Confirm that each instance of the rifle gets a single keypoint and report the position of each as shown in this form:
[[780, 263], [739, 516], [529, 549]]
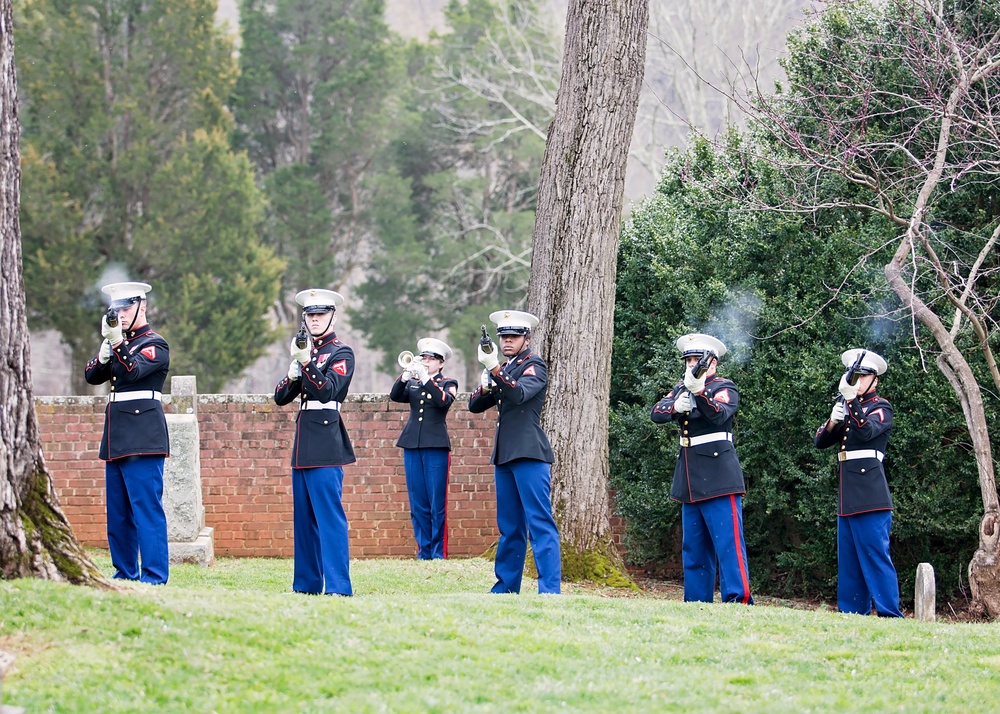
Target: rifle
[[702, 365], [853, 373], [485, 342], [302, 336]]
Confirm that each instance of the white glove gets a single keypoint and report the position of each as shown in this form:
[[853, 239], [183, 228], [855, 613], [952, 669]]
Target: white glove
[[485, 381], [488, 359], [419, 372], [104, 356], [846, 390], [838, 412], [682, 405], [294, 370], [301, 355], [111, 334], [695, 386], [406, 376]]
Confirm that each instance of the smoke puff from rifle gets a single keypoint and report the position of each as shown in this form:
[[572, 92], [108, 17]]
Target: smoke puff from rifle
[[735, 325]]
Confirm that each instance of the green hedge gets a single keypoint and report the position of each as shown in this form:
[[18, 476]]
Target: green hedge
[[693, 260]]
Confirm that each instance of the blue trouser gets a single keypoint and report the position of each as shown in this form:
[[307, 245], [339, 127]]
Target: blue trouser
[[524, 506], [137, 525], [320, 530], [427, 487], [713, 532], [864, 569]]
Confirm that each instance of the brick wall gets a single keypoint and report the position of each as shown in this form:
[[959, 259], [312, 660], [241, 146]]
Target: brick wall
[[246, 477]]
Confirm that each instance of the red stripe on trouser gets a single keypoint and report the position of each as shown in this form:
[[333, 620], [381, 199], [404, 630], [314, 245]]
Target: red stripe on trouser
[[447, 478], [739, 550]]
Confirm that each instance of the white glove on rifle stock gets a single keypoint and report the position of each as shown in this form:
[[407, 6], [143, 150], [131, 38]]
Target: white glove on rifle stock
[[301, 354], [112, 334], [838, 412], [847, 391], [694, 385], [488, 359], [104, 356], [682, 405]]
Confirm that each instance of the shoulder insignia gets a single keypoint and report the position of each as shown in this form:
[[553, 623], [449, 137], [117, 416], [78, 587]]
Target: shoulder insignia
[[530, 370], [880, 412], [340, 367], [722, 396], [149, 352]]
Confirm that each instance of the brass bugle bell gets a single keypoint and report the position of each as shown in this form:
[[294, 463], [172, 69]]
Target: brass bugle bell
[[405, 359]]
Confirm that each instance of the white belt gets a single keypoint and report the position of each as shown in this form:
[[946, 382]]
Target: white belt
[[305, 406], [706, 438], [860, 454], [132, 396]]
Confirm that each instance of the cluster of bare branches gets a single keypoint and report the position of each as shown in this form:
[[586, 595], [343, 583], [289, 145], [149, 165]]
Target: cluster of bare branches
[[695, 59]]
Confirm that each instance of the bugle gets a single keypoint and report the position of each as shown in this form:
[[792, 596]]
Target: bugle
[[405, 359]]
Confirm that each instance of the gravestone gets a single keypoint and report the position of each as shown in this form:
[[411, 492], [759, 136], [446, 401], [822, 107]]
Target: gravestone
[[189, 541], [925, 593]]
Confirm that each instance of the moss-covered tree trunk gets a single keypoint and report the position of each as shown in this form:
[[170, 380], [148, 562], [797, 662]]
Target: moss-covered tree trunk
[[574, 263], [35, 538]]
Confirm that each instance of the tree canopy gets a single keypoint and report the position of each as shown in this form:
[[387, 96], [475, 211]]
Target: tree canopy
[[457, 245], [117, 98]]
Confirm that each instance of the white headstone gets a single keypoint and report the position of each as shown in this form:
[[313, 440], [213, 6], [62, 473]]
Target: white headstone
[[925, 593]]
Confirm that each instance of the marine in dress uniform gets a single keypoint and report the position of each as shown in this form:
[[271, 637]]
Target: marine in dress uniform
[[134, 360], [708, 478], [426, 446], [318, 379], [859, 425], [521, 454]]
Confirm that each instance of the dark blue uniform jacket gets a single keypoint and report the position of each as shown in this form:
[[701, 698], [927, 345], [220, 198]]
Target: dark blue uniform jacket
[[320, 435], [863, 484], [138, 364], [518, 394], [710, 469], [429, 405]]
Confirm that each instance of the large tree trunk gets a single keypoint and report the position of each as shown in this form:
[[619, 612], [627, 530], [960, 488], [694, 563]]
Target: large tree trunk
[[35, 538], [574, 263], [984, 569]]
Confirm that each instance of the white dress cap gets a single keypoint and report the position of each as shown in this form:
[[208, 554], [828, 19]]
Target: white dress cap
[[871, 363], [513, 322], [436, 348], [124, 294], [696, 344], [318, 300]]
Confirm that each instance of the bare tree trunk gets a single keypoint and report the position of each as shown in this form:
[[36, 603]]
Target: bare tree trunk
[[574, 263], [984, 569], [35, 538]]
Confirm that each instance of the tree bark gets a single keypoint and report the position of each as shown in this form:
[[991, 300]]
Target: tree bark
[[984, 568], [574, 264], [35, 538]]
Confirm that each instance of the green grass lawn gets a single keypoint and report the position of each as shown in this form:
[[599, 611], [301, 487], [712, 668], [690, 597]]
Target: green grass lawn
[[425, 637]]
